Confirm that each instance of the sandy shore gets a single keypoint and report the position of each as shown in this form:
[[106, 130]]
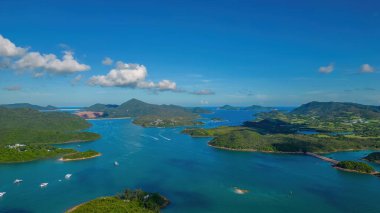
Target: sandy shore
[[94, 156]]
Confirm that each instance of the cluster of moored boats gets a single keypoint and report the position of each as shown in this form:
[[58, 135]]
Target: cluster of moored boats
[[42, 185]]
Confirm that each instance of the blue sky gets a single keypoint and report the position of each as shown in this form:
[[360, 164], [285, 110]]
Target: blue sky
[[275, 53]]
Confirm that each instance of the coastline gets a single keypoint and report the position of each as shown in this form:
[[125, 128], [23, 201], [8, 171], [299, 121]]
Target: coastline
[[77, 159], [375, 173], [94, 119]]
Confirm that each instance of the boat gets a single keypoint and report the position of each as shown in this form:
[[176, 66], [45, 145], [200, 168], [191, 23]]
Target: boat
[[17, 181], [116, 163], [2, 194], [42, 185], [68, 176]]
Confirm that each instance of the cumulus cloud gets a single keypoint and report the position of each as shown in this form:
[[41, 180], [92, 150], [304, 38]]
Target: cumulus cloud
[[132, 76], [366, 68], [9, 49], [50, 63], [107, 61], [20, 59], [13, 88], [203, 92], [327, 69]]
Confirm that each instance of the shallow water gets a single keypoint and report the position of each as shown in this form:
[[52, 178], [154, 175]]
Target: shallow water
[[194, 176]]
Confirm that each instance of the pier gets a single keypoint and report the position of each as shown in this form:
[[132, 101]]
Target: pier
[[330, 160]]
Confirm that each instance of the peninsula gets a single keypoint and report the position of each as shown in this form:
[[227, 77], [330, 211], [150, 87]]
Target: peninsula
[[27, 134], [80, 155]]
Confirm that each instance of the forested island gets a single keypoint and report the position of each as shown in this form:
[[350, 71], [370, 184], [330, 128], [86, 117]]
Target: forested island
[[352, 166], [27, 134], [331, 127], [129, 201], [149, 115]]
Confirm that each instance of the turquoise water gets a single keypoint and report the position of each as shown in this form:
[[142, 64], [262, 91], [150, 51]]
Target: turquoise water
[[194, 176]]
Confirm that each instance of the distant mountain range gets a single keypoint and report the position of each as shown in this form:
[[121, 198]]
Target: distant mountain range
[[331, 110], [253, 107], [28, 106]]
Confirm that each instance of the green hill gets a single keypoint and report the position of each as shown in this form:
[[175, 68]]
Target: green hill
[[27, 105], [146, 114], [333, 110], [25, 134]]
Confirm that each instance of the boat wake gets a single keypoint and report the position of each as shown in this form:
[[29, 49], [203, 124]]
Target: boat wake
[[148, 136], [168, 139]]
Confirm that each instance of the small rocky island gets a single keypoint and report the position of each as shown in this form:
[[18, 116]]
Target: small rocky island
[[129, 201]]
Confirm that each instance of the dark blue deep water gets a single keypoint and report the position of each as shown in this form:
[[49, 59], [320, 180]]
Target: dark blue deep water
[[194, 176]]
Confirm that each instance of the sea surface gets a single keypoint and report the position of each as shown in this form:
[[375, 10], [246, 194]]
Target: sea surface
[[194, 176]]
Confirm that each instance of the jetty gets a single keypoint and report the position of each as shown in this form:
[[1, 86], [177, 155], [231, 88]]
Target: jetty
[[330, 160]]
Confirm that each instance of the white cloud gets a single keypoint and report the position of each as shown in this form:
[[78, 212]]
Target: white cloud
[[203, 92], [328, 69], [107, 61], [50, 63], [39, 63], [167, 85], [9, 49], [366, 68], [38, 74], [132, 76]]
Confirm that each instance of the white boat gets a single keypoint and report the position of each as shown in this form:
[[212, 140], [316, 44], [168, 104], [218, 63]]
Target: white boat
[[42, 185], [2, 194], [17, 181], [116, 163], [68, 176]]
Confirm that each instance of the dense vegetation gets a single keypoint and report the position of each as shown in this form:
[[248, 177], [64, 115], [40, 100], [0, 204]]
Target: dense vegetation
[[80, 155], [130, 201], [30, 152], [33, 131], [373, 157], [355, 166], [28, 106], [149, 114]]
